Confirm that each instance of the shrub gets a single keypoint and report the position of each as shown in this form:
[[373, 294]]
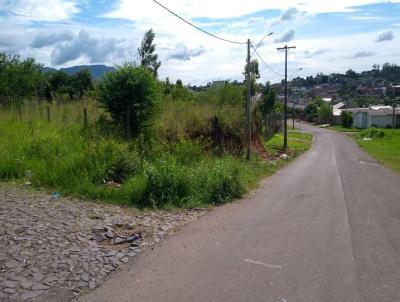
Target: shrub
[[167, 183], [221, 181], [130, 88], [373, 133], [347, 119], [124, 165]]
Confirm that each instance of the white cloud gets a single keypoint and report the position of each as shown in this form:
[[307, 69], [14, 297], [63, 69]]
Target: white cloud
[[384, 36], [46, 39], [361, 54], [40, 10], [286, 36], [96, 50], [136, 9]]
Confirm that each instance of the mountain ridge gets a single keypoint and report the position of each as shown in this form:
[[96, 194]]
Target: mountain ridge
[[97, 71]]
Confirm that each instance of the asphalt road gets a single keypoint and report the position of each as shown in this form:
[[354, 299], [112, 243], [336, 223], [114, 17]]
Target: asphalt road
[[324, 228]]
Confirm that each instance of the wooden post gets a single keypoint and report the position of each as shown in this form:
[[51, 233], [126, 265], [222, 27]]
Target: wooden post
[[48, 114], [85, 118], [128, 123]]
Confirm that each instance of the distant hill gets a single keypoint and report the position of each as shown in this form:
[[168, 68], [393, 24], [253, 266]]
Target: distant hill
[[97, 71]]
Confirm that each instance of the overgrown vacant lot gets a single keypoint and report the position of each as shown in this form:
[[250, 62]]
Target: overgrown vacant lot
[[150, 171], [383, 144]]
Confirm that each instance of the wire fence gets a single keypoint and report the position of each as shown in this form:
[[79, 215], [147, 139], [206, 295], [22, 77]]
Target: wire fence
[[273, 123]]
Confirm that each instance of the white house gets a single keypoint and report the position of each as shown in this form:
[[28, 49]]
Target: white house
[[378, 116]]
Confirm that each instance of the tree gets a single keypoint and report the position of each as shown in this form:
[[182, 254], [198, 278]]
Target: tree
[[268, 98], [148, 58], [20, 80], [82, 81], [130, 88], [59, 82], [254, 75], [311, 111], [325, 112], [167, 88], [347, 119]]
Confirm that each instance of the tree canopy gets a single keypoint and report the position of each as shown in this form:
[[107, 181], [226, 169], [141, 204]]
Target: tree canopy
[[147, 55]]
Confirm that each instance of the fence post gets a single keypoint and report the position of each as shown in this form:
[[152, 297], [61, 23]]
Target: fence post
[[85, 118], [128, 122], [48, 114]]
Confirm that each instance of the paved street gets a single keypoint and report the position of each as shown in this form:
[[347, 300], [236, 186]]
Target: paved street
[[324, 228]]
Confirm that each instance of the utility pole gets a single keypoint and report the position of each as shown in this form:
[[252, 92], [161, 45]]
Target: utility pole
[[248, 101], [394, 107], [286, 95]]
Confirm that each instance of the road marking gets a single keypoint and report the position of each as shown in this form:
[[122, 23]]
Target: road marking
[[262, 263]]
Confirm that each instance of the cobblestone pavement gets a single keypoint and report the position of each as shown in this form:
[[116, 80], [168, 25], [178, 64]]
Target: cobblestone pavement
[[56, 249]]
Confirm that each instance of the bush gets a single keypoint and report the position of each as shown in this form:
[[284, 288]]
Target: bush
[[223, 184], [130, 88], [347, 119], [167, 183], [373, 133]]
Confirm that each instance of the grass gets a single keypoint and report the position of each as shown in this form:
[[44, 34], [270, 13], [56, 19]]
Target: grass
[[383, 146], [343, 129], [297, 142], [148, 172]]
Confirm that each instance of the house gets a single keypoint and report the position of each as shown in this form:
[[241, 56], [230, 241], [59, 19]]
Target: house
[[378, 116], [337, 111]]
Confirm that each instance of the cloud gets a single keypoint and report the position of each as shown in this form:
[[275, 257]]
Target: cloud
[[384, 36], [40, 10], [289, 14], [45, 39], [128, 9], [286, 36], [95, 49], [362, 54], [310, 53], [182, 53]]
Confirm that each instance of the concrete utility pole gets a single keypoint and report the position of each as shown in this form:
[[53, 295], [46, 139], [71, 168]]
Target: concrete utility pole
[[394, 107], [286, 95], [248, 102]]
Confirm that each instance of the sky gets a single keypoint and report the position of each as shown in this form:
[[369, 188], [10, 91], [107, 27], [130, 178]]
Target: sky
[[330, 36]]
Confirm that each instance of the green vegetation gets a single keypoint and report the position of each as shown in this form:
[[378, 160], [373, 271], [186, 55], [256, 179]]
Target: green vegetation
[[347, 119], [343, 129], [318, 111], [325, 113], [384, 145], [23, 80], [147, 55], [183, 148], [351, 81], [298, 142], [145, 172], [130, 95]]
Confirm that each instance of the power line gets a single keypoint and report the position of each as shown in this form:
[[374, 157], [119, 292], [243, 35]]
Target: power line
[[266, 65], [259, 43], [198, 28]]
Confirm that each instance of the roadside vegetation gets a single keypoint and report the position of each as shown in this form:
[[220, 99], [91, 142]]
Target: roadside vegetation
[[382, 144], [131, 138], [298, 142], [343, 129]]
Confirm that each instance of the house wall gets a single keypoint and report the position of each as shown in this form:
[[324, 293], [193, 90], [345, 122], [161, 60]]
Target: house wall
[[358, 120], [380, 121]]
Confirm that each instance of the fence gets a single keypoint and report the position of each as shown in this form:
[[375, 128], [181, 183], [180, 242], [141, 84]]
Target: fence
[[273, 123]]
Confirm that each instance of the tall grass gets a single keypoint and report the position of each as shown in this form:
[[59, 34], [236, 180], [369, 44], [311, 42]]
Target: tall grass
[[150, 171]]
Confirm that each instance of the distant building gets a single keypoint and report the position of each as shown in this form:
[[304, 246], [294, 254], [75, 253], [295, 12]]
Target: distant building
[[381, 116]]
